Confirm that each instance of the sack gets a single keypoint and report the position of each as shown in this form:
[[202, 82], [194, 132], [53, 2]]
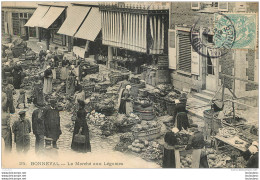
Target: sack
[[78, 138]]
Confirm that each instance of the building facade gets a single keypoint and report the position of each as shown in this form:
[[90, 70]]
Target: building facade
[[237, 68]]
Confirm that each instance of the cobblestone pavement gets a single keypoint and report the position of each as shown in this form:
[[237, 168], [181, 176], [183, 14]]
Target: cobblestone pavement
[[99, 144]]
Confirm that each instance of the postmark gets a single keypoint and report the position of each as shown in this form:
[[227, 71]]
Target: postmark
[[223, 36]]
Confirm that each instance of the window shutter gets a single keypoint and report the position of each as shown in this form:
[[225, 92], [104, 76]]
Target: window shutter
[[172, 49], [184, 54]]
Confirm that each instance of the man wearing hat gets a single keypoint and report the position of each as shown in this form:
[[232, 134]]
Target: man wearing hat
[[51, 118], [21, 129]]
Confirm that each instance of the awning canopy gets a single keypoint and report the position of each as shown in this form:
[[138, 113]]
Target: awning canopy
[[76, 14], [52, 14], [37, 16], [91, 26]]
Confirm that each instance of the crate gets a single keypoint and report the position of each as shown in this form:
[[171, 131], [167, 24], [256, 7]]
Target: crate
[[149, 134]]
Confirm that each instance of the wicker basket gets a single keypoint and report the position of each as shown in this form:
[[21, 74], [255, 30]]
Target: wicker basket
[[149, 134]]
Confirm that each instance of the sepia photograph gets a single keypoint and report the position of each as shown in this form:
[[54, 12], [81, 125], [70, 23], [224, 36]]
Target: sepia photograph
[[129, 84]]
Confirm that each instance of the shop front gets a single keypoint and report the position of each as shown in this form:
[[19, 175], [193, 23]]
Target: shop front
[[82, 26], [136, 36], [48, 19]]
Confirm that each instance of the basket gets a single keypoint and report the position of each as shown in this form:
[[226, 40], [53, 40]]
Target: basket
[[149, 134], [78, 138]]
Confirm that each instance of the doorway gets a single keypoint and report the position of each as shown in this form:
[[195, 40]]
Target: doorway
[[211, 73]]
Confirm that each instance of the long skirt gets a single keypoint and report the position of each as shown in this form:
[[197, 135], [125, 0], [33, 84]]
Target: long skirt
[[47, 86], [168, 158], [64, 73], [81, 147], [129, 108], [122, 107], [182, 121], [7, 136]]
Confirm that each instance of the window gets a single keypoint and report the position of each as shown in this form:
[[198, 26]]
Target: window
[[210, 67], [184, 51], [16, 23], [223, 6], [195, 5]]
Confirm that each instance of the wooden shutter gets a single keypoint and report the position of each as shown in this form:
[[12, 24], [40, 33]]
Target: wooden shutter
[[195, 62], [172, 49], [184, 53]]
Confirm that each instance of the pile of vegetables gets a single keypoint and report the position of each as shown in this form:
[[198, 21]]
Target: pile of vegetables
[[154, 151], [145, 125], [138, 146], [183, 138], [126, 139], [227, 132], [186, 160], [125, 122], [96, 118], [108, 127], [217, 160]]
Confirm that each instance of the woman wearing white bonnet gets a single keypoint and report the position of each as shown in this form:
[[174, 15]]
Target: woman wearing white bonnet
[[170, 139], [48, 76], [251, 155], [125, 104]]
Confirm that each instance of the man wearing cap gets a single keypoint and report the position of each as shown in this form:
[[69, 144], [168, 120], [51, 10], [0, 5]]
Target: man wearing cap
[[21, 129], [38, 129], [51, 118], [47, 86]]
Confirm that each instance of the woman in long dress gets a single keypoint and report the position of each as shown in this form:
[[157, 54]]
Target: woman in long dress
[[169, 149], [64, 70], [126, 106], [70, 84], [81, 127], [47, 86], [181, 116]]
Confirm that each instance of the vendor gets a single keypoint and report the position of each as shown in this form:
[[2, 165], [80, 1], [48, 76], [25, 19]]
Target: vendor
[[126, 106], [251, 155], [169, 150], [181, 116], [197, 142], [70, 83], [47, 86]]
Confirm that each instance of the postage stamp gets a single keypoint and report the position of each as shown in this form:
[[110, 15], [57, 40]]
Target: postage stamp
[[245, 25], [224, 35]]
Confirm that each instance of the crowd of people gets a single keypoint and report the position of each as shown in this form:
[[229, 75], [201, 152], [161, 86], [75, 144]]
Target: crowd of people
[[45, 120]]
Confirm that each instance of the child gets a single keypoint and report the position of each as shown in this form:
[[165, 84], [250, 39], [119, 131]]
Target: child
[[21, 99]]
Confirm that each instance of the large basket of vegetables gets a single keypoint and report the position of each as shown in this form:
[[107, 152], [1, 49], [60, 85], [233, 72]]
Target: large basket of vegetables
[[147, 131]]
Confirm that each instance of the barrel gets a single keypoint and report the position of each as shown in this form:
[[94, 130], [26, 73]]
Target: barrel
[[170, 106], [216, 124], [146, 114]]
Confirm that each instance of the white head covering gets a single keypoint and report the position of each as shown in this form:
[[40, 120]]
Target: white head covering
[[41, 47], [177, 101], [72, 66], [253, 149], [175, 130], [128, 87], [48, 66], [7, 63], [48, 51], [255, 143]]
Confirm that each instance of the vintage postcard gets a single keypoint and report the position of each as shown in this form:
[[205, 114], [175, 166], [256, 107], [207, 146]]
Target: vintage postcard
[[130, 84]]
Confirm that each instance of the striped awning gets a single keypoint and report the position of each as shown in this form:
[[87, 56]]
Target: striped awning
[[75, 17], [37, 16], [52, 14], [91, 26]]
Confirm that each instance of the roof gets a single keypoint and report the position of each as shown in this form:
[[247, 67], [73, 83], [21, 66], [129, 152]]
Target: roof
[[17, 4]]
